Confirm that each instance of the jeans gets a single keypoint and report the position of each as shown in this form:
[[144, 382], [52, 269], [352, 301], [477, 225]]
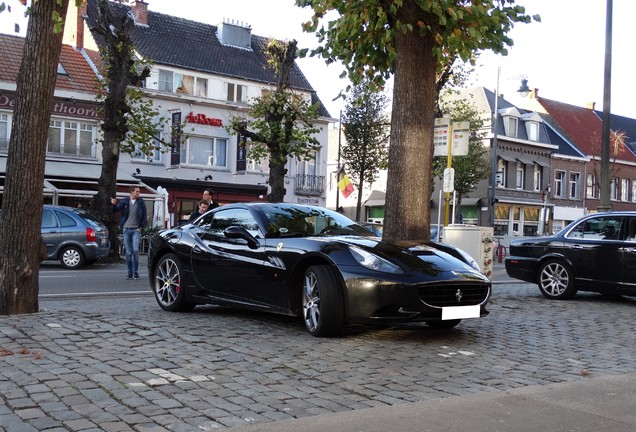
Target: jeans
[[132, 238]]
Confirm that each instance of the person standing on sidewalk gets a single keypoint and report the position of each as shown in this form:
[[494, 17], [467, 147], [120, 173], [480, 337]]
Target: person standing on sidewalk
[[133, 219]]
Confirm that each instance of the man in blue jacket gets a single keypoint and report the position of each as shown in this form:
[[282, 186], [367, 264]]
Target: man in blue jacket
[[133, 219]]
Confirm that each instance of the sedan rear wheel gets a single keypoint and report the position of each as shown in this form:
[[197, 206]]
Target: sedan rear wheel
[[322, 301], [556, 280], [167, 285], [72, 257]]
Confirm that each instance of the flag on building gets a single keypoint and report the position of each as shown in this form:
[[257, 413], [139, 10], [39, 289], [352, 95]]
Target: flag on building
[[345, 186]]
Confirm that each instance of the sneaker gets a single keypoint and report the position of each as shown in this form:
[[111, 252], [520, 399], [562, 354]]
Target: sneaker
[[130, 276], [136, 276]]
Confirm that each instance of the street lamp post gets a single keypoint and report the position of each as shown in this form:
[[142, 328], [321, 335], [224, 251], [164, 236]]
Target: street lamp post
[[493, 181]]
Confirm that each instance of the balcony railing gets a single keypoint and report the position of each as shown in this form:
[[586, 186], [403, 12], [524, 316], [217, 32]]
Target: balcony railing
[[310, 184]]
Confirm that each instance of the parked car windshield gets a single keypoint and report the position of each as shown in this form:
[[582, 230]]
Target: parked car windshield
[[308, 221]]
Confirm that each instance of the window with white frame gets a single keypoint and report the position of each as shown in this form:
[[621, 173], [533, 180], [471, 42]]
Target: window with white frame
[[559, 179], [155, 156], [512, 127], [521, 173], [633, 190], [533, 130], [590, 191], [235, 92], [624, 189], [575, 178], [166, 80], [613, 191], [4, 131], [501, 169], [538, 177], [71, 138], [307, 173], [176, 82], [197, 150]]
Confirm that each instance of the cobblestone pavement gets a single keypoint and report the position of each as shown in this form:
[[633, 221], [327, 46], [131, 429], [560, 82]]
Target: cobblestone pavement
[[121, 363]]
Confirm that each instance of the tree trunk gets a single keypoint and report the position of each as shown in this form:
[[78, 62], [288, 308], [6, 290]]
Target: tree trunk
[[359, 203], [21, 245], [118, 53], [411, 149], [277, 173]]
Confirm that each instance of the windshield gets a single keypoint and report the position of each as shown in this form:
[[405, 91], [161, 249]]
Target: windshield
[[300, 221]]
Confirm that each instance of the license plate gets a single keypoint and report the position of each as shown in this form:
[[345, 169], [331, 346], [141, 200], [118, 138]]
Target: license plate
[[460, 312], [102, 242]]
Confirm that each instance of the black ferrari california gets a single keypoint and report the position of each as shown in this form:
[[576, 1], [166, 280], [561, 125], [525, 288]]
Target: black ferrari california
[[311, 262]]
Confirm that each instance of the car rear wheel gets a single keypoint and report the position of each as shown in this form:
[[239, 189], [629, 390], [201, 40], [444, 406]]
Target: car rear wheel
[[167, 285], [72, 257], [322, 302], [556, 280]]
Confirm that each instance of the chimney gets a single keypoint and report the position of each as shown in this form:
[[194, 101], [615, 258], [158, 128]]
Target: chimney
[[140, 11], [590, 105], [235, 33], [79, 38], [534, 93], [74, 28]]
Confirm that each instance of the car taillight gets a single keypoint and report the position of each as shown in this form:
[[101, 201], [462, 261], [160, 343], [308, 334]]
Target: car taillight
[[91, 236]]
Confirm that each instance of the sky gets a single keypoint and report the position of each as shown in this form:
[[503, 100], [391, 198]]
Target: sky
[[562, 56]]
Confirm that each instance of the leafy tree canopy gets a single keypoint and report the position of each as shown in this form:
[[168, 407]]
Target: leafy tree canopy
[[279, 123], [363, 36]]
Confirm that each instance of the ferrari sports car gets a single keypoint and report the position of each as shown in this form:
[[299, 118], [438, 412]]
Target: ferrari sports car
[[314, 263]]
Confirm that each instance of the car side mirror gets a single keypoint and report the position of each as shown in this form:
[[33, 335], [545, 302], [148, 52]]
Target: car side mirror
[[237, 232]]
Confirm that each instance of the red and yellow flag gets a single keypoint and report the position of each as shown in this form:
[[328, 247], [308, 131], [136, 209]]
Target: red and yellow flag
[[345, 186]]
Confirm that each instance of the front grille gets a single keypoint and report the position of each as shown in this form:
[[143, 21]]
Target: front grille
[[453, 294]]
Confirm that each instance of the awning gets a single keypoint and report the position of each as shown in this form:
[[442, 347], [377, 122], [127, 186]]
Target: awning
[[526, 160], [376, 199], [507, 157], [79, 179]]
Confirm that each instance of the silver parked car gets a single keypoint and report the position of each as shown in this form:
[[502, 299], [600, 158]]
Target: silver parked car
[[73, 236]]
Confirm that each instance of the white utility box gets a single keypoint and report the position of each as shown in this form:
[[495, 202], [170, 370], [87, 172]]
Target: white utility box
[[477, 241]]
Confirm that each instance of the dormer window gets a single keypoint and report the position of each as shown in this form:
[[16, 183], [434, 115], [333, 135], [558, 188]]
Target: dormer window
[[532, 121], [511, 121], [533, 130], [61, 70]]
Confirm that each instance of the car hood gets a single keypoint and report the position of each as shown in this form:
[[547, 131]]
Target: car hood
[[416, 256]]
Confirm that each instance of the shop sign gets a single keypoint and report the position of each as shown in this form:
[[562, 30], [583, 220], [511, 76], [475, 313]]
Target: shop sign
[[203, 119]]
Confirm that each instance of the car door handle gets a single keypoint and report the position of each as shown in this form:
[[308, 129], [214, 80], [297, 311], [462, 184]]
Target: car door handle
[[576, 247]]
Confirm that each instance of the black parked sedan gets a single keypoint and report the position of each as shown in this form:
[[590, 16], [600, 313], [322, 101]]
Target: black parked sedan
[[595, 253], [311, 262]]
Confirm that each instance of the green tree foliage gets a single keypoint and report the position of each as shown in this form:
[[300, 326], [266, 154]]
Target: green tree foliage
[[473, 167], [365, 151], [131, 122], [21, 245], [279, 123], [416, 42]]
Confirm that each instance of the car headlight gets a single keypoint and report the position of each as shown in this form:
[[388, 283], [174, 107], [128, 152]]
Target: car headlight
[[373, 262]]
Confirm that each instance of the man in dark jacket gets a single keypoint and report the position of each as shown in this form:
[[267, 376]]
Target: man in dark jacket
[[133, 219]]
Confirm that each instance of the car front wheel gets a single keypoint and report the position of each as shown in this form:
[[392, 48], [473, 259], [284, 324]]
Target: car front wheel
[[556, 280], [322, 302], [167, 287], [72, 258]]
